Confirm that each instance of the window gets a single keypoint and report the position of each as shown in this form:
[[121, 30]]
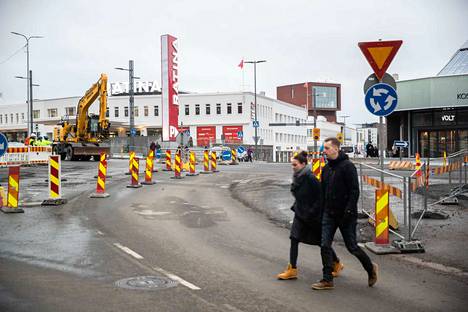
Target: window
[[52, 112], [208, 109], [292, 93], [218, 108], [1, 119], [36, 113], [126, 111], [239, 108], [22, 117], [70, 111], [325, 97], [135, 111], [197, 109], [187, 110], [116, 112], [11, 118], [17, 118], [107, 111], [156, 110], [229, 108], [146, 111]]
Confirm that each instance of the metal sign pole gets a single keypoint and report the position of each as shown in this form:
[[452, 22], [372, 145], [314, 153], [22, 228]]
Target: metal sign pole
[[381, 151]]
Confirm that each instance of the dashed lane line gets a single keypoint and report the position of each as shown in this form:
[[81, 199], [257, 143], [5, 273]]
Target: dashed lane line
[[157, 269], [129, 251]]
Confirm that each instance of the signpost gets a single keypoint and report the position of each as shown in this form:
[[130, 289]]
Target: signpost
[[255, 124], [226, 155], [400, 145], [381, 98], [3, 144], [373, 80]]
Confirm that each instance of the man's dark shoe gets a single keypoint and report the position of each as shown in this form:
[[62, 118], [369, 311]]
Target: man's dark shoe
[[323, 285], [373, 275]]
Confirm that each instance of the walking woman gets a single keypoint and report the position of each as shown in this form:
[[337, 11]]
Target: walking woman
[[307, 224]]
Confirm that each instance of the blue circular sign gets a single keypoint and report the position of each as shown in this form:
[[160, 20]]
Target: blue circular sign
[[381, 99], [226, 155], [158, 153], [3, 144], [240, 149]]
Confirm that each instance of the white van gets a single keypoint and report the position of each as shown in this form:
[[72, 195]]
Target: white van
[[351, 151]]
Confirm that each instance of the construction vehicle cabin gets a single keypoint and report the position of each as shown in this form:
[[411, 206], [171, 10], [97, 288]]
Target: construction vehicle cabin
[[86, 138]]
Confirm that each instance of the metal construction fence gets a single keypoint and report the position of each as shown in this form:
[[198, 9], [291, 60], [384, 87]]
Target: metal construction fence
[[412, 194]]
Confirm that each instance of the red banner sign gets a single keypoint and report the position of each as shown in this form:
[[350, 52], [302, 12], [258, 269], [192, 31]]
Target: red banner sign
[[206, 135], [231, 134], [170, 87]]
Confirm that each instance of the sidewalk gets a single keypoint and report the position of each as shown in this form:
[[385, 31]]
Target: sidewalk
[[444, 240]]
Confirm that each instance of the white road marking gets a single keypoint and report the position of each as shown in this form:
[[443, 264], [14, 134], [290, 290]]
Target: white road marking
[[177, 278], [148, 212], [129, 251], [99, 232]]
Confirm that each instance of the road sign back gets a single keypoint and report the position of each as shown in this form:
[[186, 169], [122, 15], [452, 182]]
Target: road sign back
[[380, 54]]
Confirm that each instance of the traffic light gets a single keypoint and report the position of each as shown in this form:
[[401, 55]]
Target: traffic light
[[316, 133], [339, 136]]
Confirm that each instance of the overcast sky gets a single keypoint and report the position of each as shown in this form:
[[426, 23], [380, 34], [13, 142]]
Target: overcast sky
[[302, 41]]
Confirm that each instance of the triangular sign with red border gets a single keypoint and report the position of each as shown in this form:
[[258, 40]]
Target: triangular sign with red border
[[380, 54]]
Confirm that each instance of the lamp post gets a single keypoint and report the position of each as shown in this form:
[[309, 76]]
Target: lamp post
[[255, 101], [131, 78], [314, 94], [30, 107], [29, 89]]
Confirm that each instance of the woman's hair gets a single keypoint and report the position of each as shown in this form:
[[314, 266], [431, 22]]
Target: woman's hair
[[301, 157]]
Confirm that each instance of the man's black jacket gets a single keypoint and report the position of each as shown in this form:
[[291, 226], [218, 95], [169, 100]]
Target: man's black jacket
[[340, 187]]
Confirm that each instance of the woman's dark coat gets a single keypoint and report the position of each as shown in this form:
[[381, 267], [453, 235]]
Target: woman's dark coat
[[306, 190]]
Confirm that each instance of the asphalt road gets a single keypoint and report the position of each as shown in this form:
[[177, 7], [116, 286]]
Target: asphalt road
[[222, 255]]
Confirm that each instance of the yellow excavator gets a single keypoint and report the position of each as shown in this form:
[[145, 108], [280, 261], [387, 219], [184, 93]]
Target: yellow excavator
[[85, 139]]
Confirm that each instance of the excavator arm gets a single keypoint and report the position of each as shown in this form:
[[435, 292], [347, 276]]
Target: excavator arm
[[97, 89]]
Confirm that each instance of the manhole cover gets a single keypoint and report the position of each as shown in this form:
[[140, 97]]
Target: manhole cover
[[146, 283]]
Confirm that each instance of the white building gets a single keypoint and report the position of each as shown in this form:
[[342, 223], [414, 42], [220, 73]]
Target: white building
[[210, 118]]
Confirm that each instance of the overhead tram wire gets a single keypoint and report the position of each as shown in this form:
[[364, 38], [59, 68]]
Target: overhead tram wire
[[16, 52]]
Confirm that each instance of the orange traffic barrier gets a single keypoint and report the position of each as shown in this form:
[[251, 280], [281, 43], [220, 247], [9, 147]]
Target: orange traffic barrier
[[379, 185], [214, 162], [168, 161], [101, 178], [192, 163], [134, 182], [149, 169], [206, 162], [448, 168], [400, 165], [177, 165], [55, 184], [381, 217], [13, 191], [130, 163]]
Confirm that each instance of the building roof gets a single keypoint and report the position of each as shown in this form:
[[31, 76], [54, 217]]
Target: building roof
[[458, 64]]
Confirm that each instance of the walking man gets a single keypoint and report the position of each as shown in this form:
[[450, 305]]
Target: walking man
[[340, 189]]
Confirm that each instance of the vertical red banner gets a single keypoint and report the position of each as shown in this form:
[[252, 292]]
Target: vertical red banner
[[170, 87]]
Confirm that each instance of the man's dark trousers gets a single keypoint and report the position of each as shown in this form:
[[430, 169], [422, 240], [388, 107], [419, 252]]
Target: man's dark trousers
[[347, 226]]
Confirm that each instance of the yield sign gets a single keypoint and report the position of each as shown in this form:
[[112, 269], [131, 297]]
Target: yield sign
[[380, 54]]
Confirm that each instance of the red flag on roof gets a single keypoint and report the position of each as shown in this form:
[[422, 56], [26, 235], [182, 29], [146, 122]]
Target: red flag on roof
[[241, 64]]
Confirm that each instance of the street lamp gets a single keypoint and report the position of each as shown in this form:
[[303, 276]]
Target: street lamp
[[131, 77], [30, 107], [255, 100], [29, 89], [344, 127]]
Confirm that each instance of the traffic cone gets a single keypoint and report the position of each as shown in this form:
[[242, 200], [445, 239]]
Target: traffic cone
[[192, 162], [101, 178], [13, 191], [168, 161], [177, 165], [55, 183], [149, 169], [130, 163], [134, 182], [214, 162], [206, 162]]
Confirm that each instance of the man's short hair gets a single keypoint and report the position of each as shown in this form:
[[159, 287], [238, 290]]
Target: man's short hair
[[333, 141]]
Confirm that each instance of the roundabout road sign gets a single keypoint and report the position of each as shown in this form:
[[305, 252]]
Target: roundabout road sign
[[381, 99]]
